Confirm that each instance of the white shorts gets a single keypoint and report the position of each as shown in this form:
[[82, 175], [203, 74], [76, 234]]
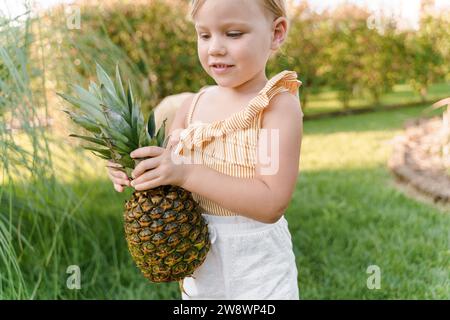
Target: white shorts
[[247, 260]]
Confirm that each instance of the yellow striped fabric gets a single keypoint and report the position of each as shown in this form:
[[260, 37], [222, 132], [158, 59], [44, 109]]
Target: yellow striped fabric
[[230, 145]]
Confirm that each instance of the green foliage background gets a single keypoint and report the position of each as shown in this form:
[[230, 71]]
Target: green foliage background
[[58, 208]]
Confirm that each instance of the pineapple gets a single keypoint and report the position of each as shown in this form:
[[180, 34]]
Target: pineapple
[[166, 234]]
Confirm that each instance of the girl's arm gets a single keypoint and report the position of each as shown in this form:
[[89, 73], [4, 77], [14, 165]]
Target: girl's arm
[[266, 196], [179, 121]]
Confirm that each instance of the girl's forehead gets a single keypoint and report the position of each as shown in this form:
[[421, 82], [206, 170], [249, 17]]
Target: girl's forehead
[[218, 11], [224, 24]]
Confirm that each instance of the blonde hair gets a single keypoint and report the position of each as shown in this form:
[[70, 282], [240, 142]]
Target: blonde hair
[[277, 8]]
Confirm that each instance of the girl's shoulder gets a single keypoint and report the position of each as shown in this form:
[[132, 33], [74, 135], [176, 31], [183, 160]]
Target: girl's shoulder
[[186, 105], [208, 88], [179, 111]]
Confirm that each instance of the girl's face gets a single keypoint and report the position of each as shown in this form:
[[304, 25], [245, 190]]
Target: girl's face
[[237, 33]]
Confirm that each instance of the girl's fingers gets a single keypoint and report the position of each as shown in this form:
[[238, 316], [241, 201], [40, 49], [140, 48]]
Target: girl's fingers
[[121, 179], [146, 176], [125, 183], [113, 164], [118, 187], [148, 185], [144, 166], [111, 175], [118, 174], [144, 152]]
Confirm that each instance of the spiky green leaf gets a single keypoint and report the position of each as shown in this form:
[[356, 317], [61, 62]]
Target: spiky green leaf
[[117, 122], [161, 134], [114, 135], [104, 79], [85, 106], [87, 96], [90, 139], [127, 162], [130, 98], [112, 101], [119, 85], [100, 155], [104, 152], [151, 125], [95, 90], [84, 122], [112, 114]]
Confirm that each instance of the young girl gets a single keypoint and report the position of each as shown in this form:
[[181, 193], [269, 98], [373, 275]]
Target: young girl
[[244, 135]]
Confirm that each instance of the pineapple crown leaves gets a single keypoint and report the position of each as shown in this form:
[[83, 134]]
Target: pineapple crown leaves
[[113, 118]]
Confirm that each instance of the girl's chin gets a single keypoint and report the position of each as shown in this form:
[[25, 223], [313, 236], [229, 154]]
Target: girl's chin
[[225, 84], [225, 80]]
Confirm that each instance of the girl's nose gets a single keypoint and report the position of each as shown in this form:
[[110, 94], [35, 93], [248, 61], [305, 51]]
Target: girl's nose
[[216, 47]]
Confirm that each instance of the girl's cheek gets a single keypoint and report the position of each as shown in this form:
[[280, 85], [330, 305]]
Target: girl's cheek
[[202, 52]]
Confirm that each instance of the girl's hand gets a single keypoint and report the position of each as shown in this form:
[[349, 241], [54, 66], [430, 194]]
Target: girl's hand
[[117, 176], [158, 170]]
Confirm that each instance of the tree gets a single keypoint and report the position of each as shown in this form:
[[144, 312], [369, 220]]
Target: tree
[[304, 48], [344, 46], [425, 53], [382, 60]]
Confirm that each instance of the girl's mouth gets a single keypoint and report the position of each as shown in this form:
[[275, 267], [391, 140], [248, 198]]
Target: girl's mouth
[[221, 68]]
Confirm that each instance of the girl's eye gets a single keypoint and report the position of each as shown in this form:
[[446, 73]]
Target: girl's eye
[[235, 34], [232, 35]]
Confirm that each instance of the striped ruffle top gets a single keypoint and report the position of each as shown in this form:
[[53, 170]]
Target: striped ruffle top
[[230, 145]]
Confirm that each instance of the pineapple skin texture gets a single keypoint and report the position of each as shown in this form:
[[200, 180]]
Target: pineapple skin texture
[[165, 232]]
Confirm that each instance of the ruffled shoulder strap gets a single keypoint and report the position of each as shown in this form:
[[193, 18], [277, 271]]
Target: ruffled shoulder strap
[[197, 133], [284, 81]]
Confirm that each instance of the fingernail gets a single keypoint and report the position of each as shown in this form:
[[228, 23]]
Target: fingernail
[[132, 183]]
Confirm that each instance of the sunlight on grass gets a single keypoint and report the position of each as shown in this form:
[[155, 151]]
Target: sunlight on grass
[[345, 150], [354, 142]]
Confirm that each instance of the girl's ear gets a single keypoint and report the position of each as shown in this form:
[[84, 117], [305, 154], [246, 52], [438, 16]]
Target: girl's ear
[[279, 31]]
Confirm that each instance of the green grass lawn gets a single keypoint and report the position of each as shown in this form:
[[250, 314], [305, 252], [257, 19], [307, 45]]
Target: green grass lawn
[[345, 215], [327, 100]]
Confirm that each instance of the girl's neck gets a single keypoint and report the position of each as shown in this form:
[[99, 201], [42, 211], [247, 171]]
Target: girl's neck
[[250, 87]]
